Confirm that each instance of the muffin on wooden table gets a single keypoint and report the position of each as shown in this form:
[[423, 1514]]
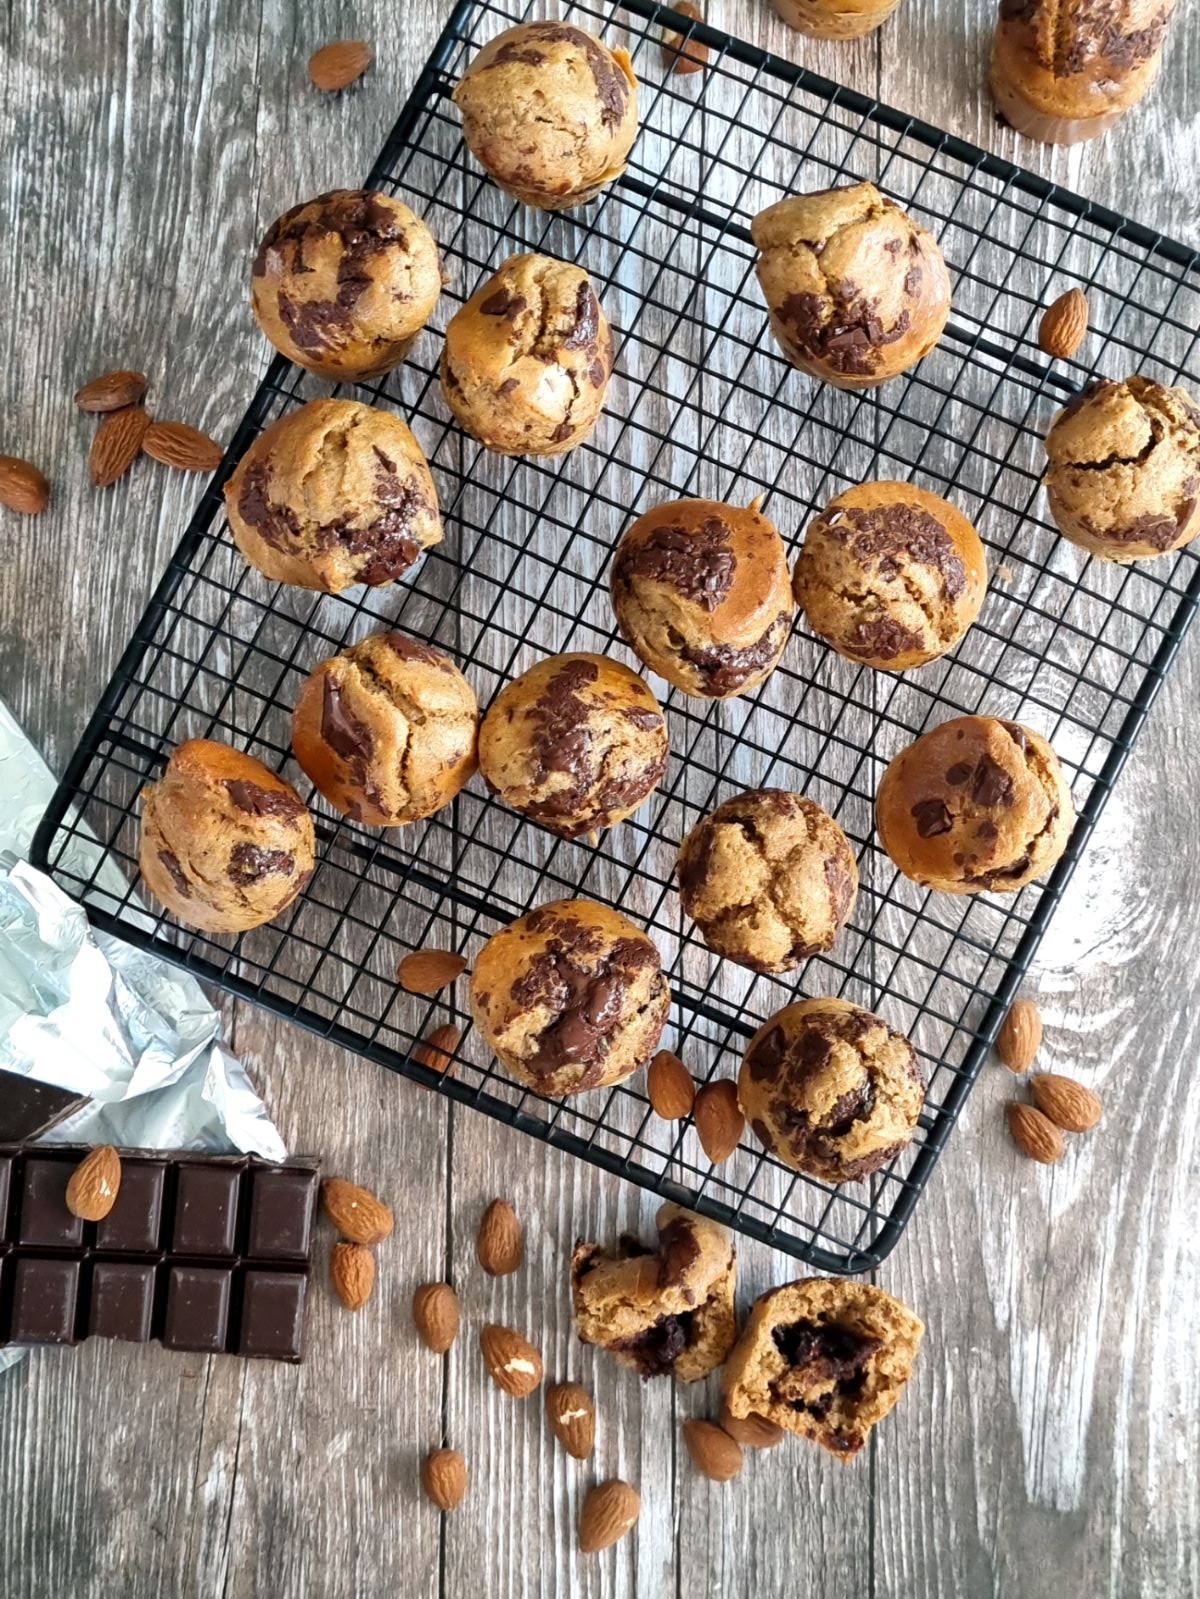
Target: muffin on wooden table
[[835, 19]]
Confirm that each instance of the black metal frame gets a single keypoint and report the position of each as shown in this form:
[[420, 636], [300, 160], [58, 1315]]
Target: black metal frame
[[1076, 648]]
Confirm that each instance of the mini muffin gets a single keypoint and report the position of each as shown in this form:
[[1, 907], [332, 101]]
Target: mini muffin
[[333, 494], [549, 112], [835, 19], [1124, 478], [526, 362], [769, 879], [225, 843], [975, 805], [890, 575], [576, 743], [700, 591], [830, 1089], [665, 1312], [386, 730], [857, 291], [570, 996], [824, 1358], [343, 284]]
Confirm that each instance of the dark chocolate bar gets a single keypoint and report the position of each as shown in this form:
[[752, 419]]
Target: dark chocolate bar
[[208, 1253], [29, 1109]]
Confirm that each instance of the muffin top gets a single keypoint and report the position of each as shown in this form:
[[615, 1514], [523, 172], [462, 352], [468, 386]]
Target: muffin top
[[1076, 54]]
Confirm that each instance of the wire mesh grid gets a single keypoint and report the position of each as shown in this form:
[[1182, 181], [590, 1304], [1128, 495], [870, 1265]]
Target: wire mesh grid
[[702, 404]]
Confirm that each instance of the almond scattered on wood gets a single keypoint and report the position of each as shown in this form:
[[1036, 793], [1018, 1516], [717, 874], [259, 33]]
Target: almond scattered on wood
[[338, 64], [1020, 1036], [752, 1432], [1065, 1102], [680, 56], [357, 1214], [572, 1418], [1034, 1134], [111, 391], [352, 1273], [719, 1120], [93, 1185], [184, 447], [427, 971], [444, 1478], [22, 487], [1064, 325], [512, 1362], [436, 1052], [117, 444], [670, 1087], [436, 1316], [714, 1453], [610, 1510], [500, 1244]]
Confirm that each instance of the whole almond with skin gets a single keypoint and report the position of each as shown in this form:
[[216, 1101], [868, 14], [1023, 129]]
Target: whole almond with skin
[[1068, 1104], [435, 1052], [610, 1510], [444, 1478], [1034, 1134], [572, 1418], [22, 487], [93, 1185], [117, 444], [355, 1212], [719, 1120], [752, 1432], [111, 391], [670, 1087], [181, 446], [512, 1362], [336, 66], [427, 971], [714, 1453], [679, 56], [435, 1313], [1064, 325], [500, 1245], [1020, 1036], [352, 1273]]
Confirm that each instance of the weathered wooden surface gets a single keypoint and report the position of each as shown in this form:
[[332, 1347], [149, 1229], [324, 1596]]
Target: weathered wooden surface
[[1049, 1444]]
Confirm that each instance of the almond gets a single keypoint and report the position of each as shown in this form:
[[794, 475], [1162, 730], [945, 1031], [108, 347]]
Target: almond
[[608, 1513], [444, 1478], [714, 1453], [181, 446], [117, 444], [512, 1362], [1034, 1134], [22, 487], [425, 971], [1065, 1102], [92, 1188], [752, 1432], [719, 1120], [435, 1312], [352, 1273], [670, 1086], [1019, 1036], [111, 391], [572, 1418], [1065, 324], [336, 66], [355, 1212], [435, 1052], [679, 56], [500, 1245]]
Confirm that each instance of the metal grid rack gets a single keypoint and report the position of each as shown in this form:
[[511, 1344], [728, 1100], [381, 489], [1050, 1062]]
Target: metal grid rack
[[702, 404]]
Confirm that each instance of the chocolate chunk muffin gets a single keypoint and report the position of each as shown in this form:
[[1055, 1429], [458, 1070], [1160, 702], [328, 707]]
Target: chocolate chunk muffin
[[386, 730], [343, 284], [549, 112], [225, 843], [331, 495], [665, 1312], [700, 592], [1124, 477], [1067, 70], [527, 360], [830, 1089], [975, 805], [824, 1358], [576, 743], [769, 879], [835, 19], [890, 576], [570, 996], [857, 292]]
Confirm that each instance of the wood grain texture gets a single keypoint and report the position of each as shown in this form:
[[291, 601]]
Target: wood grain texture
[[1048, 1445]]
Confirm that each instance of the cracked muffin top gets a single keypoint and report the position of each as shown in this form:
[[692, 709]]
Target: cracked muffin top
[[343, 284], [700, 591], [527, 360], [386, 730], [769, 879], [890, 575], [856, 290], [976, 804], [1124, 477], [549, 112], [830, 1089], [333, 494], [570, 996]]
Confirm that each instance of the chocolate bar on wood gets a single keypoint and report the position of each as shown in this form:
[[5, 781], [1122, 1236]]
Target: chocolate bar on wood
[[207, 1253], [29, 1109]]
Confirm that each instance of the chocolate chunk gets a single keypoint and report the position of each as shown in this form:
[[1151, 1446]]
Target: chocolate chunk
[[891, 535], [170, 863], [855, 1105], [562, 740], [932, 818], [992, 785], [725, 670], [959, 773], [698, 563], [826, 1352], [768, 1054], [258, 801], [342, 731], [276, 525], [250, 863], [678, 1251], [658, 1348], [882, 638], [585, 328], [503, 303]]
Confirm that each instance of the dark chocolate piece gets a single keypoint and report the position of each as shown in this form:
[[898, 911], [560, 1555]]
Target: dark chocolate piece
[[122, 1300], [134, 1225], [205, 1210], [45, 1293], [29, 1109], [281, 1215], [272, 1325], [45, 1222], [197, 1316]]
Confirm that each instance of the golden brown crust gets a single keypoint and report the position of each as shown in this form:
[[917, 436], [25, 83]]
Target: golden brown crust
[[835, 19]]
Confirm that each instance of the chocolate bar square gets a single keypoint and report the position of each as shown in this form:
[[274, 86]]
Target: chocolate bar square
[[281, 1215], [197, 1315], [206, 1203], [272, 1315], [28, 1109], [45, 1221], [45, 1293], [134, 1224], [122, 1300]]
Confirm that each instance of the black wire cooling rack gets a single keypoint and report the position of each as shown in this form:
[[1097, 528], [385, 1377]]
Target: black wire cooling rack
[[702, 404]]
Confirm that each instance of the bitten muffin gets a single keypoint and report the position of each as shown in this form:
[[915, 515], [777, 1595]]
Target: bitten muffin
[[225, 843], [576, 743], [890, 576], [1067, 70], [665, 1312], [527, 360], [857, 292], [830, 1089], [769, 879], [343, 284], [333, 494], [835, 19], [549, 112], [700, 591], [386, 730], [824, 1358], [1124, 478], [569, 996], [973, 805]]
